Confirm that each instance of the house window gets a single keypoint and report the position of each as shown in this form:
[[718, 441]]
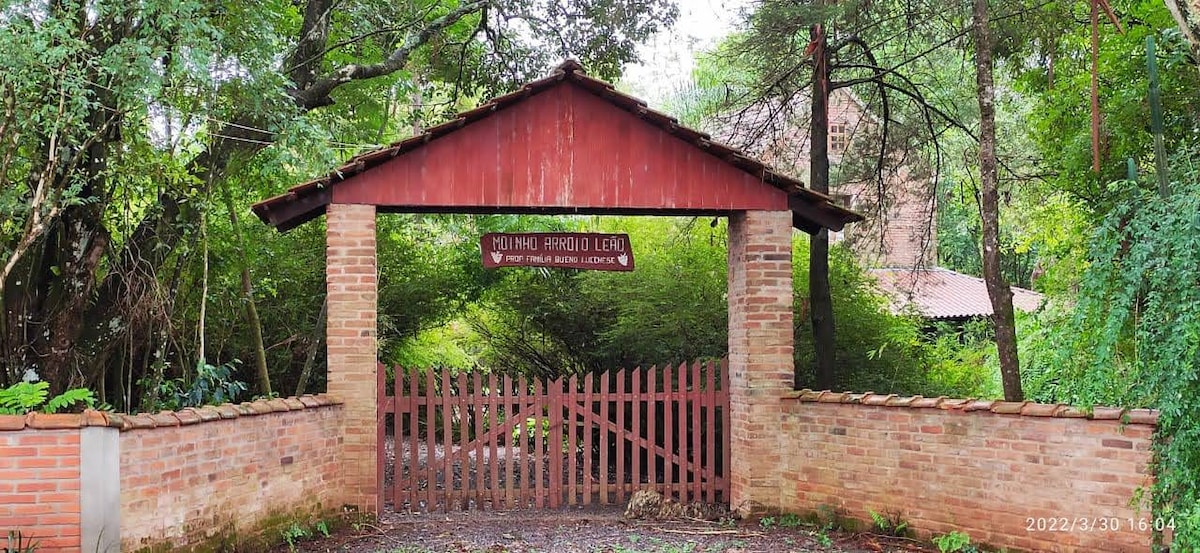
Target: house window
[[838, 139]]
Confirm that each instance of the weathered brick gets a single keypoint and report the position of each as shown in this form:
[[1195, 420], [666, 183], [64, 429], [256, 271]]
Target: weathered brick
[[985, 478], [352, 344]]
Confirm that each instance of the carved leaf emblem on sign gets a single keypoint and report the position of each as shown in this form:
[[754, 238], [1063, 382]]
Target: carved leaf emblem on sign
[[497, 256], [623, 259]]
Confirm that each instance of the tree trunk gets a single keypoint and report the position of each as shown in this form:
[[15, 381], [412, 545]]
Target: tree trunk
[[820, 299], [1187, 15], [311, 358], [262, 375], [998, 289]]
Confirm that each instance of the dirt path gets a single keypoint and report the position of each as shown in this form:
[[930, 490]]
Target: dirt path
[[579, 531]]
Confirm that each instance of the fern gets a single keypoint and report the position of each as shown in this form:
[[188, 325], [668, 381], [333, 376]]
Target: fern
[[25, 397], [70, 398]]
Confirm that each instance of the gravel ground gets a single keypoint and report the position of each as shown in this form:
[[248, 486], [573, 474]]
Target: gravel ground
[[591, 530]]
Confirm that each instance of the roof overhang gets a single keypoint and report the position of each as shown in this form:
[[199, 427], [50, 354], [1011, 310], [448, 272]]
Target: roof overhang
[[811, 210]]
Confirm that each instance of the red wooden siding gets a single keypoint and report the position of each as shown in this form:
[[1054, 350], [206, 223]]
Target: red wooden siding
[[562, 148], [491, 442]]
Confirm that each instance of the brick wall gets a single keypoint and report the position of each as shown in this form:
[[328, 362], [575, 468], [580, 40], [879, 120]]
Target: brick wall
[[202, 473], [760, 350], [351, 282], [108, 482], [990, 469], [39, 482]]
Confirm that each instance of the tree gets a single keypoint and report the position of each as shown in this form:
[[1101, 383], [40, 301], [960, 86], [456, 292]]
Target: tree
[[792, 80], [820, 298], [1187, 15], [999, 291], [127, 118]]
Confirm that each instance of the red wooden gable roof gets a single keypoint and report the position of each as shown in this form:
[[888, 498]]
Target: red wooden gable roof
[[567, 143]]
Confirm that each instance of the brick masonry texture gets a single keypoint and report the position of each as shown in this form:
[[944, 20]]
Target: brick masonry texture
[[184, 476], [760, 351], [991, 469], [351, 281], [215, 470], [39, 484]]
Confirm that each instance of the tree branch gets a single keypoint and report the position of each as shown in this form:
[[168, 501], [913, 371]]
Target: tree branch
[[318, 93]]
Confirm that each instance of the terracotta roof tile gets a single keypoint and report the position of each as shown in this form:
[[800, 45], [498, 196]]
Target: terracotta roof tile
[[944, 294]]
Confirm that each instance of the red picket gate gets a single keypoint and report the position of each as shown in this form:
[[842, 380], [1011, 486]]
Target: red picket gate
[[475, 441]]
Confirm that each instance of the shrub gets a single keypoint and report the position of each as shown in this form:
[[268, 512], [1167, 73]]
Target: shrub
[[27, 397]]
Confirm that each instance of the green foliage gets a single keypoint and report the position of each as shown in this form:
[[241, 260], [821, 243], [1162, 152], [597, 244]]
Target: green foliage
[[1134, 336], [790, 520], [210, 385], [881, 351], [673, 309], [294, 533], [891, 524], [27, 397], [1059, 117], [139, 130], [954, 542]]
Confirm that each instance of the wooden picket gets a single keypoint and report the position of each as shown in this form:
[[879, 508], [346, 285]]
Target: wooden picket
[[464, 442]]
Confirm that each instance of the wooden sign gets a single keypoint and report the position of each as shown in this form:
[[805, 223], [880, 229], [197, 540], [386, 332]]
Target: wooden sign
[[573, 250]]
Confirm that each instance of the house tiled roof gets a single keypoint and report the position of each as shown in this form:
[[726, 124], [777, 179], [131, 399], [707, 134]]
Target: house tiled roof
[[307, 201], [944, 294]]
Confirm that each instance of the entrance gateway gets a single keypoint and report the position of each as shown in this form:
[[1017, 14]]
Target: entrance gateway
[[566, 144]]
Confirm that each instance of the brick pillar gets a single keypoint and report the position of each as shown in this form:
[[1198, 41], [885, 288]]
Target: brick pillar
[[351, 282], [760, 353]]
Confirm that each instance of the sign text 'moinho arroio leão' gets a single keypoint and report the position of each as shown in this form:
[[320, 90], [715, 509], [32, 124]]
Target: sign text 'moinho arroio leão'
[[575, 250]]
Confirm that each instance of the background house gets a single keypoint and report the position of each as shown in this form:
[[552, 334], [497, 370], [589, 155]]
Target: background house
[[898, 241]]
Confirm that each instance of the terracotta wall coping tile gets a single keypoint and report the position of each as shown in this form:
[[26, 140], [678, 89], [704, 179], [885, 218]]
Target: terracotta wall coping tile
[[186, 416], [1016, 408], [876, 399], [927, 402]]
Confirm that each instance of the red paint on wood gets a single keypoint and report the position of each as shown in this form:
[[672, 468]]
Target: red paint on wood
[[477, 475], [588, 387], [668, 431], [572, 440], [493, 420], [470, 423], [556, 450], [620, 436], [410, 409], [652, 429], [694, 395], [430, 440], [520, 459], [381, 400], [638, 444], [510, 456], [725, 424], [447, 477], [709, 461], [564, 149], [603, 468], [539, 447], [462, 497]]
